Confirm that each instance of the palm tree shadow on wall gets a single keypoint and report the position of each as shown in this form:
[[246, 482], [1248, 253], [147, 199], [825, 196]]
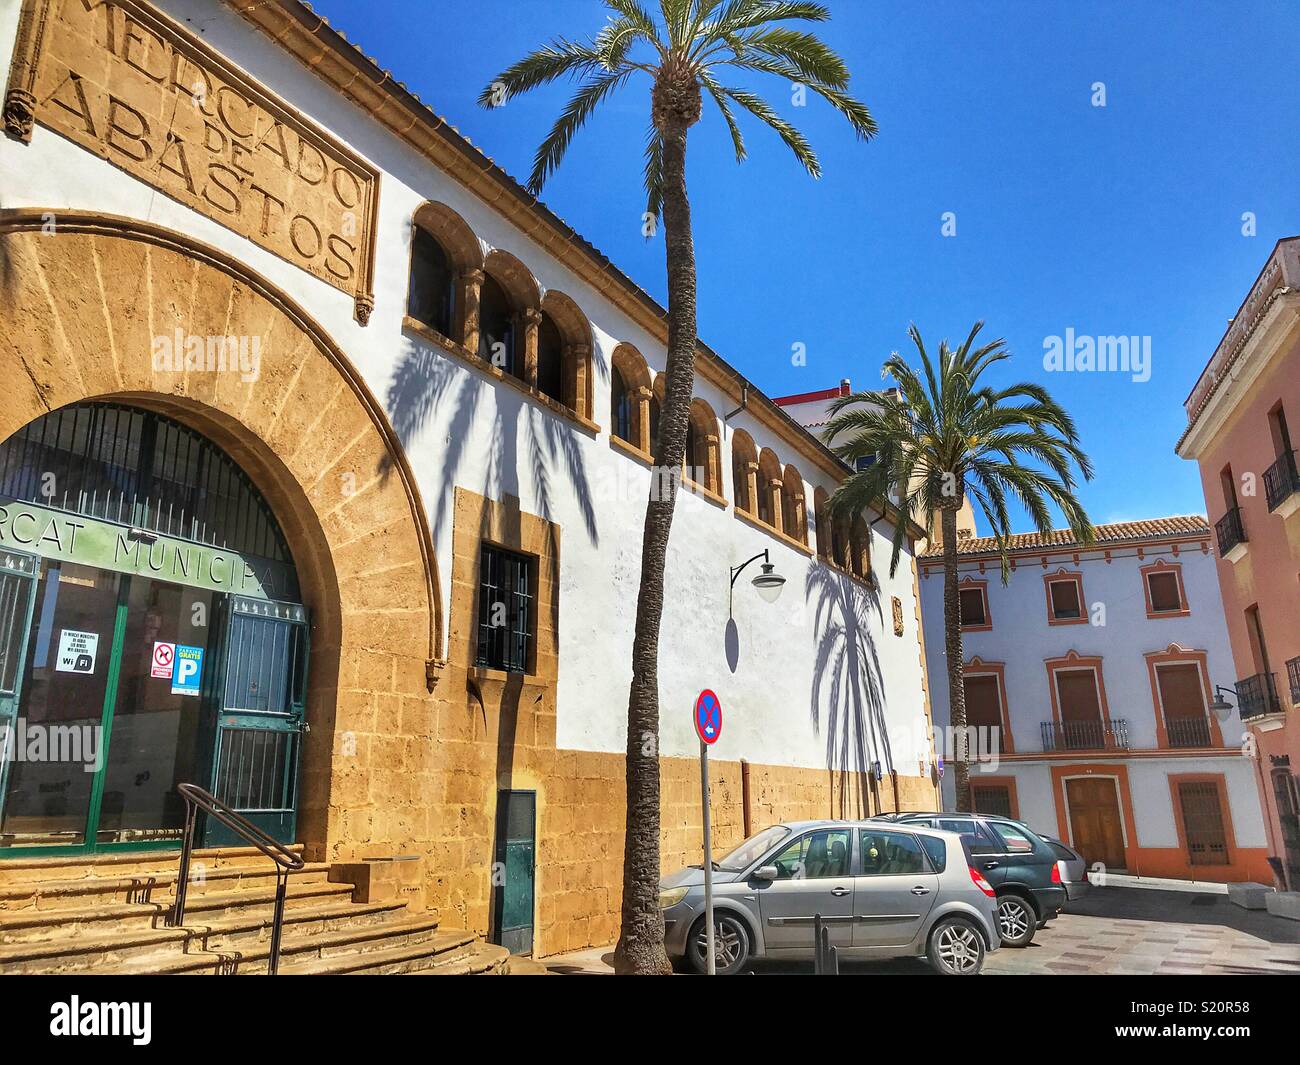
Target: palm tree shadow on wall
[[428, 381], [847, 700]]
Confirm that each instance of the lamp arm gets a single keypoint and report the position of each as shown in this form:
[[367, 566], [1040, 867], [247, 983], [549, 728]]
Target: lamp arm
[[736, 571]]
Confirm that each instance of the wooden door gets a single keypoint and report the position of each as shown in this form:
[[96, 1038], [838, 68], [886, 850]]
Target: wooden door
[[1095, 824]]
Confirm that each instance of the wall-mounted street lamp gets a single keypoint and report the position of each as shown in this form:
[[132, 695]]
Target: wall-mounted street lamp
[[768, 582], [1221, 707]]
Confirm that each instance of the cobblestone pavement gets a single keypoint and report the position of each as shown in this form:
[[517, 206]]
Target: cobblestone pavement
[[1113, 930]]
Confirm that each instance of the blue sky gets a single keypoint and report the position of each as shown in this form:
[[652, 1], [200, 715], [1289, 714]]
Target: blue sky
[[1116, 220]]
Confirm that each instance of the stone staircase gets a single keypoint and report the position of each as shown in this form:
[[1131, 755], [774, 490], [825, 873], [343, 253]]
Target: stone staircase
[[108, 914]]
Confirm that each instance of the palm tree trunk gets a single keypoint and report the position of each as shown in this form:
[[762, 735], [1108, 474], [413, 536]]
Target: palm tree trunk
[[641, 938], [953, 652]]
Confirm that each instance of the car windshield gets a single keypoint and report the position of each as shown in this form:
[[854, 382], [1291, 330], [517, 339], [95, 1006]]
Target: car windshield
[[753, 849]]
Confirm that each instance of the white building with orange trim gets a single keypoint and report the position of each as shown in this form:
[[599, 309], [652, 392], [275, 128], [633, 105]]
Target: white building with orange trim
[[1089, 677]]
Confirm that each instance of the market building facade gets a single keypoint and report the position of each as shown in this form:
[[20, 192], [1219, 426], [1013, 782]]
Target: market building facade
[[325, 452]]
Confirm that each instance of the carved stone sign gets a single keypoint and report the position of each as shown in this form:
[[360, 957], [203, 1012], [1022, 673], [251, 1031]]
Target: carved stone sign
[[132, 86]]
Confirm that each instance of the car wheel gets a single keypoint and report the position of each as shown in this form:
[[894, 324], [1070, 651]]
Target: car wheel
[[1017, 921], [730, 945], [956, 948]]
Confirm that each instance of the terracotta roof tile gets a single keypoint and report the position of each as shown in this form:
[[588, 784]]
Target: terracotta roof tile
[[1115, 533]]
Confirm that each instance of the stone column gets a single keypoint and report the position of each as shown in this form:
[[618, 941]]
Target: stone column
[[712, 480], [642, 395], [750, 472], [470, 284], [800, 517], [532, 320], [576, 359], [774, 486]]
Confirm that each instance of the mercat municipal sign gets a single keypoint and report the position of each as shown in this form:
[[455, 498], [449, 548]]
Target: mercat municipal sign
[[78, 538]]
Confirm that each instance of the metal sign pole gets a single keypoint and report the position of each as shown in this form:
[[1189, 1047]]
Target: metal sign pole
[[708, 859]]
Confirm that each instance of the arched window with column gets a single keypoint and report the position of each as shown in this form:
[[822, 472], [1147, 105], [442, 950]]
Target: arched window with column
[[497, 334], [445, 274], [768, 489], [550, 361], [744, 472], [860, 548], [629, 398], [793, 513], [564, 347], [821, 518], [702, 459], [509, 317]]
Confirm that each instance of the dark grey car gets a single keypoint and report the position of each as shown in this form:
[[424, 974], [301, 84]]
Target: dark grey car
[[881, 890]]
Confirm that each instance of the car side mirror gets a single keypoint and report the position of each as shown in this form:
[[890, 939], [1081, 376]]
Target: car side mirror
[[766, 872]]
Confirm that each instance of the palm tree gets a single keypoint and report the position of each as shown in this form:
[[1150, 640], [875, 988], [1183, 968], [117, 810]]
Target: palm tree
[[684, 57], [937, 439]]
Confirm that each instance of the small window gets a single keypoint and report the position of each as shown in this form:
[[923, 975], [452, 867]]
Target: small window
[[890, 853], [1065, 600], [496, 328], [622, 408], [991, 799], [975, 835], [937, 851], [1165, 595], [972, 607], [816, 856], [432, 296], [1015, 841], [550, 360], [505, 610]]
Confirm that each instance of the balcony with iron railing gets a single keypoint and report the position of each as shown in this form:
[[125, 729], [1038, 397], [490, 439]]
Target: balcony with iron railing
[[1281, 480], [1085, 735], [1230, 531], [1188, 731], [1293, 679], [1257, 696]]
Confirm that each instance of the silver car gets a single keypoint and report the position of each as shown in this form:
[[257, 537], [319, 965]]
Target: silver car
[[882, 890]]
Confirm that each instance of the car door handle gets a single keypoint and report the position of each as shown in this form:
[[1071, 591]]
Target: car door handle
[[839, 891], [991, 865], [919, 890]]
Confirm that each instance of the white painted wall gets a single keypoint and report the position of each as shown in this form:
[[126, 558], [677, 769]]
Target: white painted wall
[[485, 436]]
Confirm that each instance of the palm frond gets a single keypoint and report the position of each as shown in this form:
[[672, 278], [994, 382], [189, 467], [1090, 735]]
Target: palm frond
[[794, 140], [577, 112], [559, 59]]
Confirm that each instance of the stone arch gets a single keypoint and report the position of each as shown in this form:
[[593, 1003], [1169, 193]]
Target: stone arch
[[452, 232], [86, 311]]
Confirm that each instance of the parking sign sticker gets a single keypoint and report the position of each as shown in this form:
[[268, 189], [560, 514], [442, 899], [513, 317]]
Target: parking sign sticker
[[187, 670]]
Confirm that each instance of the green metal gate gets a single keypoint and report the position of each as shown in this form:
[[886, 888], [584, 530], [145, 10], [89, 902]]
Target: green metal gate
[[18, 574], [260, 699], [515, 870]]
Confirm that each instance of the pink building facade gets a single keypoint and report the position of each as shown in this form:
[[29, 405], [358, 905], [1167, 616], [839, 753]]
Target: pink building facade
[[1243, 427]]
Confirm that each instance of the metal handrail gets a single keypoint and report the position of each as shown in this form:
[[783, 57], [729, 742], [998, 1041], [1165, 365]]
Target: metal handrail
[[286, 861]]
